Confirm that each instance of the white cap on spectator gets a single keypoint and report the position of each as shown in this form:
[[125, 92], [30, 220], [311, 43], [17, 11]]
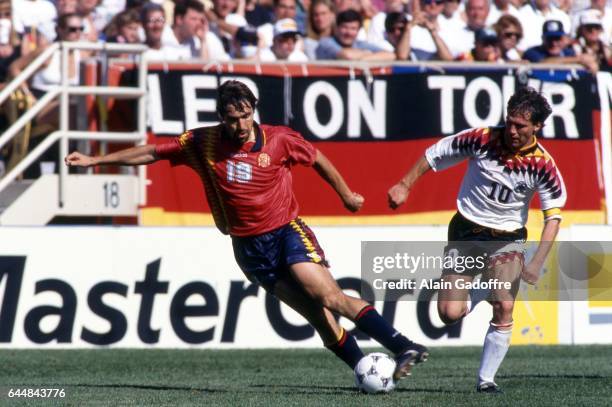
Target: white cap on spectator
[[286, 26], [591, 17]]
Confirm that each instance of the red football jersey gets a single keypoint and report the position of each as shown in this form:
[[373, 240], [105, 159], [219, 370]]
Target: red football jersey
[[248, 187]]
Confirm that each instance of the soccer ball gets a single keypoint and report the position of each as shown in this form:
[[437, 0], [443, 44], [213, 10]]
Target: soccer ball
[[374, 373]]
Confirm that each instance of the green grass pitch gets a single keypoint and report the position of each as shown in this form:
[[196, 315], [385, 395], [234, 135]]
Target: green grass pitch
[[530, 376]]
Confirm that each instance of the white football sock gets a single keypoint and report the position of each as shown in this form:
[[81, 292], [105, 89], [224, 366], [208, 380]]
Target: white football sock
[[496, 344]]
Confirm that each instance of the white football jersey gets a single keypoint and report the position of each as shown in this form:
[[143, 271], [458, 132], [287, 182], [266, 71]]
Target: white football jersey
[[499, 184]]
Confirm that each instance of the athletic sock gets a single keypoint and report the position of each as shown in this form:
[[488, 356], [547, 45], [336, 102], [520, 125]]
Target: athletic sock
[[347, 349], [496, 344], [369, 321]]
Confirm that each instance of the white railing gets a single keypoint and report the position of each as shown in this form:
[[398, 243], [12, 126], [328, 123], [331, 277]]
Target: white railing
[[64, 90]]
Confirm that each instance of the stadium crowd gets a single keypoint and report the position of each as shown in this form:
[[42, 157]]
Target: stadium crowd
[[556, 31], [520, 31]]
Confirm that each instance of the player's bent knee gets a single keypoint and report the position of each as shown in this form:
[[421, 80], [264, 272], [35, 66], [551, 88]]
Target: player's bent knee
[[451, 314]]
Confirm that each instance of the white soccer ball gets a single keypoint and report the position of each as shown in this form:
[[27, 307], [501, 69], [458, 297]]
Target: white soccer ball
[[374, 373]]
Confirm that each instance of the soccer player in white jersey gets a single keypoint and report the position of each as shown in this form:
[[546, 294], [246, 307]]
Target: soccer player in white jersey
[[506, 167]]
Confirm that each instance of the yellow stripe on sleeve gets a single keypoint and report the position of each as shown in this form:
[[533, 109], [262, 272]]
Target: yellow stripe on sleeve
[[552, 213]]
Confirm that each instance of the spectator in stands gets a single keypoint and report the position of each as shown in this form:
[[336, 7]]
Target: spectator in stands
[[451, 14], [426, 42], [282, 9], [553, 49], [365, 10], [69, 28], [10, 51], [344, 43], [106, 11], [124, 28], [565, 5], [510, 32], [135, 4], [500, 8], [321, 20], [28, 18], [10, 41], [66, 6], [462, 40], [486, 47], [588, 40], [364, 7], [48, 29], [190, 31], [283, 48], [397, 35], [533, 15], [246, 47], [606, 19], [113, 7], [92, 21], [153, 19], [377, 29], [230, 26], [257, 14]]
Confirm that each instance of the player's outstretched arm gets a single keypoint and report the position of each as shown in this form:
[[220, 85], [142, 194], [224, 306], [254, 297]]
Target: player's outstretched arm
[[138, 155], [398, 193], [352, 200], [531, 271]]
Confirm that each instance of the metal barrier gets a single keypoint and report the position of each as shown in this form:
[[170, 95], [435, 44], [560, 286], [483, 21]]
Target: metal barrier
[[64, 90]]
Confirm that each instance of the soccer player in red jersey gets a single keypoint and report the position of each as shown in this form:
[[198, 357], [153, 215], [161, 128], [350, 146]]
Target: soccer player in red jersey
[[245, 168]]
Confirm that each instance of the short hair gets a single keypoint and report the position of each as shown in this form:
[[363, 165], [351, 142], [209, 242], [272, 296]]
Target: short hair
[[62, 20], [506, 21], [181, 7], [234, 93], [275, 3], [135, 4], [394, 18], [349, 16], [528, 100], [147, 9]]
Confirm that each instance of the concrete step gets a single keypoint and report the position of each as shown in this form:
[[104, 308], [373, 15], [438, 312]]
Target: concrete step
[[12, 192]]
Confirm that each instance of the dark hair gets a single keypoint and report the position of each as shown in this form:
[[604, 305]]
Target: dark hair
[[275, 3], [62, 20], [234, 93], [528, 100], [135, 4], [147, 9], [348, 16], [181, 7], [394, 18]]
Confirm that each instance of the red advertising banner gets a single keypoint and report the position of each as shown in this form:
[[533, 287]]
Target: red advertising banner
[[373, 125]]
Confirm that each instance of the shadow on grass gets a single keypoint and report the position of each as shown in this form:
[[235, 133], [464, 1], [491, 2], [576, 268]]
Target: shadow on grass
[[146, 387], [553, 376], [348, 389], [269, 388]]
